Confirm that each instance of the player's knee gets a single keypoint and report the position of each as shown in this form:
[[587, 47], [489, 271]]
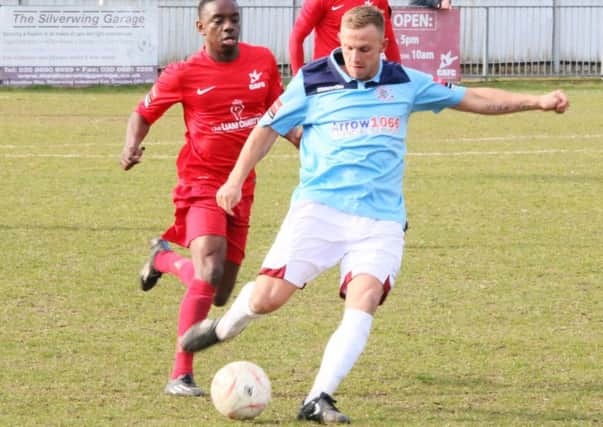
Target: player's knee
[[221, 298], [364, 295], [269, 295], [261, 306], [264, 303], [220, 301], [212, 272]]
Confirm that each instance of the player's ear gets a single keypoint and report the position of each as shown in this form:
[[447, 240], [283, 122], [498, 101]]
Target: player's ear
[[200, 27], [384, 44]]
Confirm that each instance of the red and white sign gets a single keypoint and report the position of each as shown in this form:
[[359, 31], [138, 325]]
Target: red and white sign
[[429, 40]]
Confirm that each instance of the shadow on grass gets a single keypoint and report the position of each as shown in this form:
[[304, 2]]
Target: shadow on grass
[[486, 390], [536, 178], [530, 416], [486, 245]]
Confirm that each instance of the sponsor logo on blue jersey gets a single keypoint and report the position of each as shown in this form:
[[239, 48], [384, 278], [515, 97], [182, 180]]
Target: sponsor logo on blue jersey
[[375, 125]]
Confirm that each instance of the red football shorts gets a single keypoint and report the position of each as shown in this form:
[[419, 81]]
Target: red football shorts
[[199, 215]]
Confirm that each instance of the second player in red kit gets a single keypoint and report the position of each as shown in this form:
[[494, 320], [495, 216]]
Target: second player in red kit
[[324, 17], [224, 90]]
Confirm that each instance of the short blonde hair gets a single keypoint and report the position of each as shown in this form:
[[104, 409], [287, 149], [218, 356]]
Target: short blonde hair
[[363, 16]]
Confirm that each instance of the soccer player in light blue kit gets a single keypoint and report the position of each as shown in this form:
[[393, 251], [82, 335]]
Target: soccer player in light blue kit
[[348, 208]]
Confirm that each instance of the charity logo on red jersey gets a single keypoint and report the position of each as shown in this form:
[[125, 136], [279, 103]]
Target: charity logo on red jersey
[[237, 107]]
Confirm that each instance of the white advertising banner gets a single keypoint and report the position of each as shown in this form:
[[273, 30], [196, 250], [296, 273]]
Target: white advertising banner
[[77, 46]]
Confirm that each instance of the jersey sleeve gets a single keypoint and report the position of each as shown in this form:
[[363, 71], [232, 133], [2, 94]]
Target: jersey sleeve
[[309, 16], [392, 51], [433, 94], [164, 93], [289, 110]]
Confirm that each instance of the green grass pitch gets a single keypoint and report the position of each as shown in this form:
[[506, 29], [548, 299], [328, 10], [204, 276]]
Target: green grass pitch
[[496, 317]]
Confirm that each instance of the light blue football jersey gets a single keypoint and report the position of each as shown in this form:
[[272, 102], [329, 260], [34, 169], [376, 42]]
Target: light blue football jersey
[[354, 141]]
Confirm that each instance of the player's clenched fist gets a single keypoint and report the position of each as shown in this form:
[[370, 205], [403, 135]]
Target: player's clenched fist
[[554, 101], [130, 156], [228, 196]]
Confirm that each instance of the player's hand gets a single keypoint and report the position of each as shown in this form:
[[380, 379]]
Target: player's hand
[[228, 196], [130, 156], [554, 101]]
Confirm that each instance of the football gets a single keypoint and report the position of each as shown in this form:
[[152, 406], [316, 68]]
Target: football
[[240, 390]]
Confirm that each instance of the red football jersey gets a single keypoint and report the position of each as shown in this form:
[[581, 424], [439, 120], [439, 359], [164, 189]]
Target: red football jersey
[[221, 102], [324, 17]]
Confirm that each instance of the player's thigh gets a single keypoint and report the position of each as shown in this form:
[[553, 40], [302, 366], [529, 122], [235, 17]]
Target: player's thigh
[[215, 236], [206, 226], [375, 250], [308, 243], [204, 219]]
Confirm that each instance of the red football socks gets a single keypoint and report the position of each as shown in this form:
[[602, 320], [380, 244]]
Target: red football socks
[[174, 263], [194, 308]]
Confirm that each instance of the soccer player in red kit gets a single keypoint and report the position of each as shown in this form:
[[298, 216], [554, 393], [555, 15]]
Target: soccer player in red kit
[[224, 89], [324, 17]]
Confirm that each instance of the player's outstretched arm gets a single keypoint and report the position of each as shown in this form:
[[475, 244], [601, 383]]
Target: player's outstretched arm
[[497, 101], [258, 143], [136, 131]]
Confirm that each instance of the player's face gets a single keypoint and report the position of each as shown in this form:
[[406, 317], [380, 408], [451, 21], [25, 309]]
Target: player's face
[[362, 48], [220, 24]]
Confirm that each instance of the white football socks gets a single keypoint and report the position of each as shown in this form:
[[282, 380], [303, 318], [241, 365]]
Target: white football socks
[[343, 349], [238, 316]]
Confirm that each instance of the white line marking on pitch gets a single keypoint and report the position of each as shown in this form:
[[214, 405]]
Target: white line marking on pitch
[[522, 137], [500, 153]]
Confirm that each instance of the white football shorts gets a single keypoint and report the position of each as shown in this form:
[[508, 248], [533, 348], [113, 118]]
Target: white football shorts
[[315, 237]]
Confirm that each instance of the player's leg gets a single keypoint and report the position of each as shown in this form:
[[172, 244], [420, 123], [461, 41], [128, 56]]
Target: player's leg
[[229, 278], [208, 256], [255, 299], [300, 252], [216, 256], [368, 270], [265, 295], [162, 259], [204, 232], [168, 261], [237, 230], [349, 339], [343, 350]]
